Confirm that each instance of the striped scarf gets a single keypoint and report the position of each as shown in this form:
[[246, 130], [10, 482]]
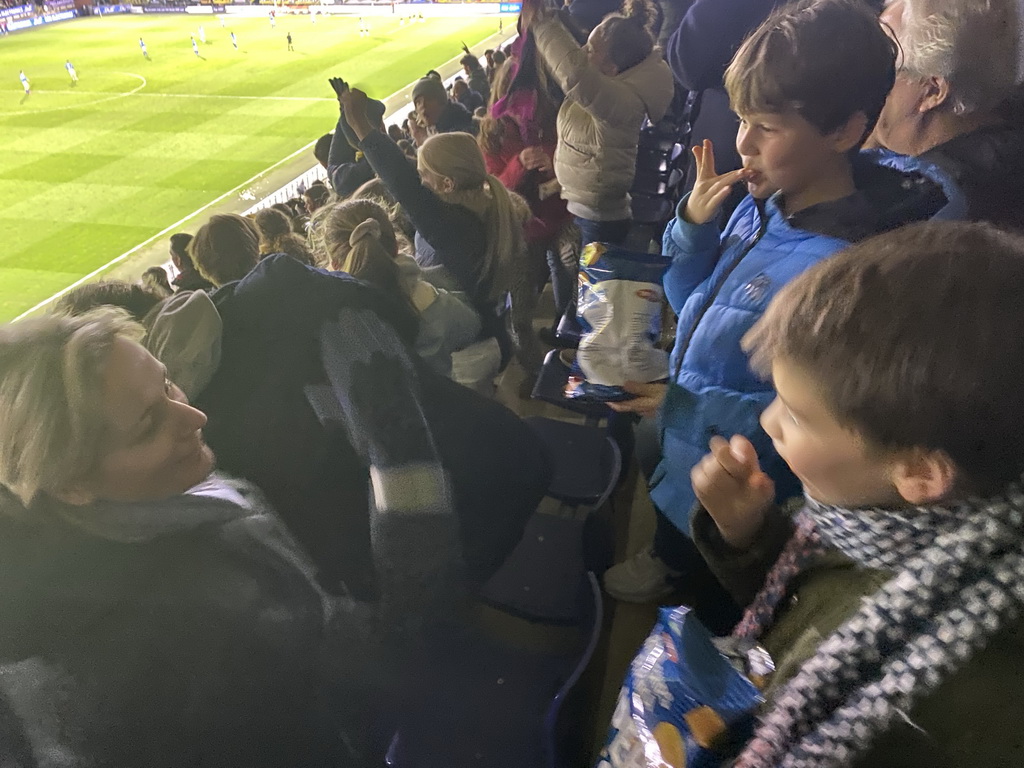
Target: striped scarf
[[957, 579]]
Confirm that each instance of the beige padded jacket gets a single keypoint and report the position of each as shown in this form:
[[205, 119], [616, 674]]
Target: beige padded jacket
[[599, 121]]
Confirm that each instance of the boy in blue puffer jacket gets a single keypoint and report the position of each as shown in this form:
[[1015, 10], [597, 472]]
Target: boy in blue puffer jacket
[[808, 86]]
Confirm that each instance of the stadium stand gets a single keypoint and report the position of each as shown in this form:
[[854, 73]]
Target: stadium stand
[[389, 567]]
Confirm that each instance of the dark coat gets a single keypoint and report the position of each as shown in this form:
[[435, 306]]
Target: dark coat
[[262, 428], [455, 117], [346, 169], [187, 631], [988, 164]]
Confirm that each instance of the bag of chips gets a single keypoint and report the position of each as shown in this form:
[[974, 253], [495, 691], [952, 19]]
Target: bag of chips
[[619, 311], [683, 704]]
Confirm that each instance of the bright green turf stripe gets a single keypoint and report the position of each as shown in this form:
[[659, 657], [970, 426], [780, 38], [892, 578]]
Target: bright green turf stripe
[[87, 174]]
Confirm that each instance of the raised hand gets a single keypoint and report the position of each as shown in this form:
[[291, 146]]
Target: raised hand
[[730, 485], [710, 190]]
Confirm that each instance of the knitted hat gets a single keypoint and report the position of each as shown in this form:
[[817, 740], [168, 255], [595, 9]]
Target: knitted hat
[[429, 88]]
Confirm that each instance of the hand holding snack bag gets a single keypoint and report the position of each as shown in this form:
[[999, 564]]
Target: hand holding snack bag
[[684, 703], [619, 310]]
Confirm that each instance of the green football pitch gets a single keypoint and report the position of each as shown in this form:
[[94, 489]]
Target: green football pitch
[[89, 171]]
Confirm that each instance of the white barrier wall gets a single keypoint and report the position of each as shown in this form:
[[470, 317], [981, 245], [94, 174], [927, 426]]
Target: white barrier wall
[[431, 10]]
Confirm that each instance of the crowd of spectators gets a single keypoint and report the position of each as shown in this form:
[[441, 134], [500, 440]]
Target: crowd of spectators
[[235, 500]]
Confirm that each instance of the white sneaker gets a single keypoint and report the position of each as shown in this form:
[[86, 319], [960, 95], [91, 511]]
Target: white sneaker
[[641, 579]]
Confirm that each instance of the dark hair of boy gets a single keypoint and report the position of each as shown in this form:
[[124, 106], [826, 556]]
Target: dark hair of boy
[[155, 279], [179, 249], [318, 194], [826, 60], [471, 61], [916, 340], [322, 148], [630, 34]]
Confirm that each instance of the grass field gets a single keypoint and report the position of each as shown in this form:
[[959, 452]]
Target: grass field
[[90, 171]]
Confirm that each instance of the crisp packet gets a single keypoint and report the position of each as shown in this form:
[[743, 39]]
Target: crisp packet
[[619, 311], [683, 704]]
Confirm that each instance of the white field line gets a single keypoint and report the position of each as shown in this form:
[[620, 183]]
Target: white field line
[[178, 96], [179, 222], [113, 97]]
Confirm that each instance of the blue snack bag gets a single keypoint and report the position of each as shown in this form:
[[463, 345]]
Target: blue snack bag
[[619, 311], [683, 704]]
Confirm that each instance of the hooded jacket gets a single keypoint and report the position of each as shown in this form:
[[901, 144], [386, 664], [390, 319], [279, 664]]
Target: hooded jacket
[[719, 286], [599, 121]]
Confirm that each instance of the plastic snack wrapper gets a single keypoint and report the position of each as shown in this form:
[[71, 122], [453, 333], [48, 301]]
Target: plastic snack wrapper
[[619, 310], [683, 704]]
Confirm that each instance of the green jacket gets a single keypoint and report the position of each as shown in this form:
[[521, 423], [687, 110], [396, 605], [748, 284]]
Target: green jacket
[[974, 719]]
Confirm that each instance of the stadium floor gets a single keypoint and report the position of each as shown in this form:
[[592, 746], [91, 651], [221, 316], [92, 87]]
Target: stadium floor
[[89, 171]]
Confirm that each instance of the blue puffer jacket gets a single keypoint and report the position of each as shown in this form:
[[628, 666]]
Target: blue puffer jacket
[[720, 286]]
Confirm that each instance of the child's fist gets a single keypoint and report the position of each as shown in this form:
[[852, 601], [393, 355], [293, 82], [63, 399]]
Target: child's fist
[[730, 485]]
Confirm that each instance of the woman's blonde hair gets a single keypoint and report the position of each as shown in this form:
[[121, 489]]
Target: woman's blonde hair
[[225, 248], [457, 156], [357, 237], [51, 398], [277, 236]]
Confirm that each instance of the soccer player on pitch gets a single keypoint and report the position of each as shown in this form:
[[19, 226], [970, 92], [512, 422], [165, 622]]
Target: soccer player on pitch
[[24, 82], [195, 48], [145, 53], [71, 71], [234, 41]]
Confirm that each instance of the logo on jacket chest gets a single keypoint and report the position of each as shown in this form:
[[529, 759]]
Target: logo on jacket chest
[[757, 289]]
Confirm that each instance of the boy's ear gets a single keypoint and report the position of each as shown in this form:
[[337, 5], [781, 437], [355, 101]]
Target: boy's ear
[[924, 477], [851, 133], [934, 93]]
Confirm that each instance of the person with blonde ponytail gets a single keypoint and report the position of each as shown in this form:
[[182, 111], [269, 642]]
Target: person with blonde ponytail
[[611, 84], [357, 237], [466, 222]]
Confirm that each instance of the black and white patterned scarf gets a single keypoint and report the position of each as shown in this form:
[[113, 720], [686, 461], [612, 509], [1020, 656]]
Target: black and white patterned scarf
[[958, 578]]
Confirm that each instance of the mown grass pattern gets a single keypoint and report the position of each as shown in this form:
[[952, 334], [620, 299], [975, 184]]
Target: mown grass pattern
[[87, 173]]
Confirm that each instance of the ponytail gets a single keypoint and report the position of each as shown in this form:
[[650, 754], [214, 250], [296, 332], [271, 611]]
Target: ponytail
[[631, 33], [505, 242], [368, 260]]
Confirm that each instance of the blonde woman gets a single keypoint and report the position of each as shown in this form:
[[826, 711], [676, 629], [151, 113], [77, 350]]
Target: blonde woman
[[465, 219], [154, 613], [357, 237]]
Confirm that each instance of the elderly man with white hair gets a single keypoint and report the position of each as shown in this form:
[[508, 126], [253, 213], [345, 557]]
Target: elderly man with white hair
[[953, 98]]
